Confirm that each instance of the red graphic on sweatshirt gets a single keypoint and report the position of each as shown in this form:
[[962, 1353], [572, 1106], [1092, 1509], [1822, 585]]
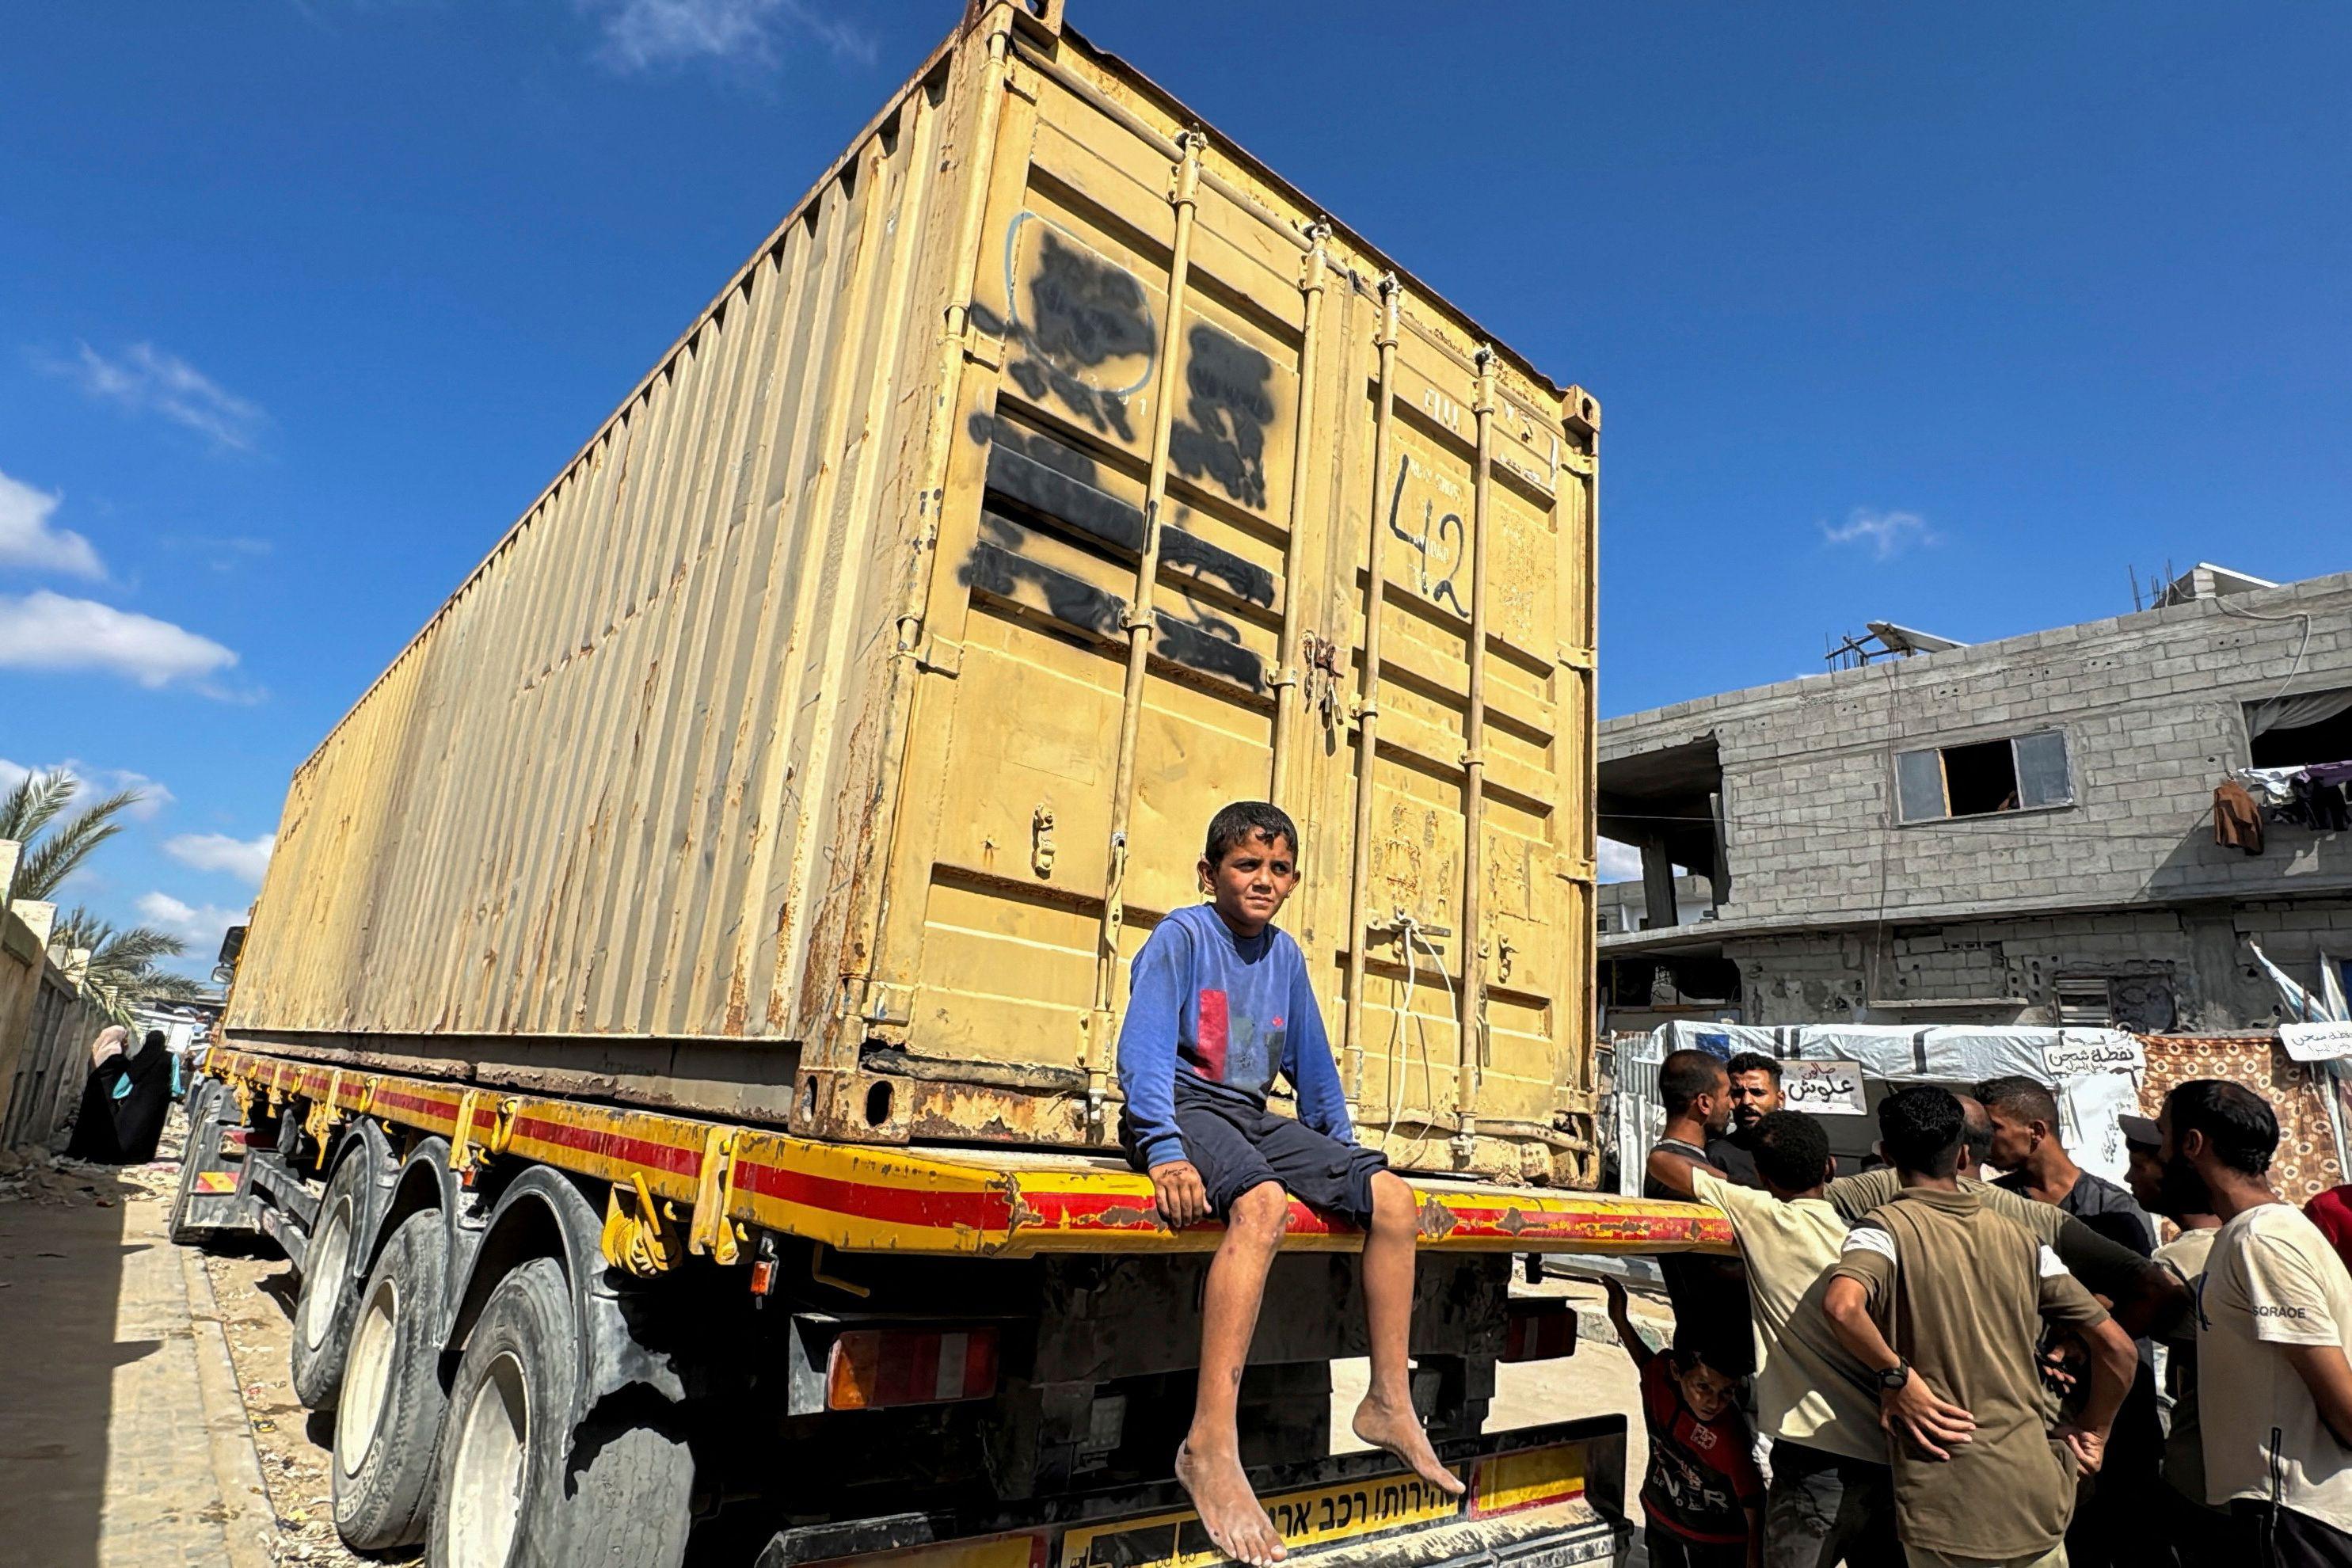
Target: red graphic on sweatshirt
[[1212, 1039]]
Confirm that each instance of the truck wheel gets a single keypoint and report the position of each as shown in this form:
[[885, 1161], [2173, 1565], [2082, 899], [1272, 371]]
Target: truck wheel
[[203, 1151], [518, 1486], [329, 1300], [389, 1424]]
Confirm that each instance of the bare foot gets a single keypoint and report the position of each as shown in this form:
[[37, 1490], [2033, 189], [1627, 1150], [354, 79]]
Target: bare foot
[[1228, 1508], [1399, 1432]]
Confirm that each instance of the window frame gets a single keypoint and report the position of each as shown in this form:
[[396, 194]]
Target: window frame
[[2066, 746]]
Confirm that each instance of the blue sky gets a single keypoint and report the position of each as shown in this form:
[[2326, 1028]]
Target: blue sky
[[1942, 316]]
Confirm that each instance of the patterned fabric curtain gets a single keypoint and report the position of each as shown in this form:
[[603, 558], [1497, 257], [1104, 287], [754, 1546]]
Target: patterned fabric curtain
[[2308, 1162]]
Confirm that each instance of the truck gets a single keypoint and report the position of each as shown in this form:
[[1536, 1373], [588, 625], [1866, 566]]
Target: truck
[[674, 1040]]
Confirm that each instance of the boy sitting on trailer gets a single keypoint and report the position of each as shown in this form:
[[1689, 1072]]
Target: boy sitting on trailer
[[1218, 1003]]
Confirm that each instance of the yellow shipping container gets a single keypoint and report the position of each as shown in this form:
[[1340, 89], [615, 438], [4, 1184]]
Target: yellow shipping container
[[820, 746]]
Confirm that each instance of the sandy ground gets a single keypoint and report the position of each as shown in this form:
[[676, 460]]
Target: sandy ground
[[254, 1288]]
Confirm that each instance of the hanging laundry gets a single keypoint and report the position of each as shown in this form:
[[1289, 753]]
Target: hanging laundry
[[2237, 822], [2322, 805], [2269, 787]]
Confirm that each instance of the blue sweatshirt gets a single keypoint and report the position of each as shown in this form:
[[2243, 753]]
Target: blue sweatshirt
[[1233, 1012]]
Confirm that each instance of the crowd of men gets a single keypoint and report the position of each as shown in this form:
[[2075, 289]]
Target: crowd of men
[[1913, 1365]]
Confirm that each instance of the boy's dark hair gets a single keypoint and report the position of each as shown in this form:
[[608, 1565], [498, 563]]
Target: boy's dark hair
[[2019, 1098], [1684, 1359], [1684, 1076], [2240, 1124], [1792, 1150], [1244, 820], [1921, 1128], [1754, 1061]]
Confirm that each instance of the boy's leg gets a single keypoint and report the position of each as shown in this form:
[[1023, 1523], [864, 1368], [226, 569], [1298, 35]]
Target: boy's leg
[[1209, 1464], [1386, 1419]]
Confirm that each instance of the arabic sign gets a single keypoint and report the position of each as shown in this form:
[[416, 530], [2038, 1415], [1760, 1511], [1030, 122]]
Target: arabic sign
[[1825, 1088], [2316, 1042], [2071, 1054]]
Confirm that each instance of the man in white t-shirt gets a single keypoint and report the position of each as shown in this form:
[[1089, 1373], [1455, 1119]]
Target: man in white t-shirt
[[1832, 1495], [2274, 1387]]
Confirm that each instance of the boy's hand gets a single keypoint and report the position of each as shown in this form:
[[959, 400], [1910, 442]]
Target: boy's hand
[[1614, 1289], [1182, 1199]]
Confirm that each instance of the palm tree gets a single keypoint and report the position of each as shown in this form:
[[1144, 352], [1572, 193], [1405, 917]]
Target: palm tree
[[123, 971], [29, 814]]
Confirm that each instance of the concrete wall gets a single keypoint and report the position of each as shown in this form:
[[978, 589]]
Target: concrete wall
[[2153, 708], [1622, 905], [2004, 971], [45, 1025]]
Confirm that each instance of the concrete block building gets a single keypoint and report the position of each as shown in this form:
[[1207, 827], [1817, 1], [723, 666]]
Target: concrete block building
[[2018, 831]]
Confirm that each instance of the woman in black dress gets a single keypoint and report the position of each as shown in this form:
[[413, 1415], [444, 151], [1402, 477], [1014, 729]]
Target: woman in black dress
[[124, 1102]]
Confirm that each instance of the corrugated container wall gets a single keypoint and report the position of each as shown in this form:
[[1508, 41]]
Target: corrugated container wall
[[1015, 508]]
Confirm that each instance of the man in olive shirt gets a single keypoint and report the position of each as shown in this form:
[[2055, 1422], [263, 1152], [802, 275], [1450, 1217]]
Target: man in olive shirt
[[1944, 1300], [2146, 1297]]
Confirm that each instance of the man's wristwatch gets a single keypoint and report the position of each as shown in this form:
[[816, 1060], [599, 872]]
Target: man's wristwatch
[[1892, 1379]]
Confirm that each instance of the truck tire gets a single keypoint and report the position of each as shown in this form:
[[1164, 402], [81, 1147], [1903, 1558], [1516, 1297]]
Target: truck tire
[[388, 1426], [329, 1301], [518, 1486], [202, 1150]]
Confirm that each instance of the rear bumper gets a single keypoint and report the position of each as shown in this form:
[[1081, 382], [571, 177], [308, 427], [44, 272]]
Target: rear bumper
[[1537, 1496]]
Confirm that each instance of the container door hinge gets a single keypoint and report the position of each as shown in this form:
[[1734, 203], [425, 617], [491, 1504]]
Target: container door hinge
[[941, 655]]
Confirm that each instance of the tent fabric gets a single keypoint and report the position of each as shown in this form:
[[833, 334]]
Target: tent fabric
[[2295, 712], [1951, 1053], [2097, 1072]]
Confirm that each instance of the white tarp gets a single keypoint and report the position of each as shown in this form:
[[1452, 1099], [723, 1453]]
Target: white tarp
[[1825, 1088], [2316, 1042], [1955, 1053], [2090, 1105], [2096, 1073]]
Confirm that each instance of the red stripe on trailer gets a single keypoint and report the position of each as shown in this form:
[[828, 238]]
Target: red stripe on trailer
[[980, 1211]]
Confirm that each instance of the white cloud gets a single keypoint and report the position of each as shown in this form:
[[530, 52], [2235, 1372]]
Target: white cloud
[[1619, 862], [152, 795], [49, 631], [647, 35], [201, 926], [1886, 534], [27, 540], [144, 377], [243, 858]]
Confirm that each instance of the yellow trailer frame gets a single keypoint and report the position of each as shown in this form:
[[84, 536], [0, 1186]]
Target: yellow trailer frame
[[717, 1180]]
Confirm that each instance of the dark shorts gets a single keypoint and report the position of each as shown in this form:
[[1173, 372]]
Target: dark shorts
[[2274, 1537], [1824, 1508], [1236, 1145], [1667, 1549]]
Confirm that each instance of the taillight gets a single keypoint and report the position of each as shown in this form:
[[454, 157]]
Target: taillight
[[872, 1368], [1539, 1330]]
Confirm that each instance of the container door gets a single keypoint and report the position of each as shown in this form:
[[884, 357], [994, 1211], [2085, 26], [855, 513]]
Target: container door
[[1105, 413], [1513, 988]]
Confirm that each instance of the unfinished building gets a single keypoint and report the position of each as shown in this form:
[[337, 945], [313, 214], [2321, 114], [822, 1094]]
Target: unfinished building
[[2020, 831]]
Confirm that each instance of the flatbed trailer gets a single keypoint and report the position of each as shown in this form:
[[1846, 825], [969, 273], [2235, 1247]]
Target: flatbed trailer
[[970, 1203], [733, 1307]]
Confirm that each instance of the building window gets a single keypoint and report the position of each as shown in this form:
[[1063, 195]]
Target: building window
[[2298, 731], [2024, 772]]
